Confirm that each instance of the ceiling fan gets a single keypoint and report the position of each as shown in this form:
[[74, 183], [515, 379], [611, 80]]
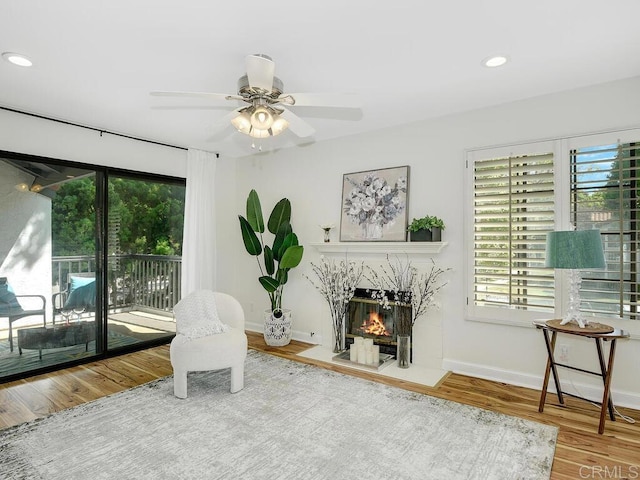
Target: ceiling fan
[[267, 112]]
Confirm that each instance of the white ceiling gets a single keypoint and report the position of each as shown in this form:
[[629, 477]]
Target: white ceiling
[[96, 62]]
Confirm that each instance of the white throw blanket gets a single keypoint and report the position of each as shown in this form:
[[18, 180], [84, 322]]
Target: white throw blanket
[[197, 315]]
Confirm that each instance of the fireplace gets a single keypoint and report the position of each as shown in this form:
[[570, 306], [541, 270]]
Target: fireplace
[[367, 318]]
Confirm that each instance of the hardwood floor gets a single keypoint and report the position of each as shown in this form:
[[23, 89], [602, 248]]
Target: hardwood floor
[[580, 451]]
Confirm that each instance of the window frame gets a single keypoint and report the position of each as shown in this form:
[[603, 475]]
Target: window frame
[[494, 314], [577, 143], [561, 148], [100, 258]]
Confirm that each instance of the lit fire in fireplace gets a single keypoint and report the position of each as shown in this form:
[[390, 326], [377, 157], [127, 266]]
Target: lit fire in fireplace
[[374, 325]]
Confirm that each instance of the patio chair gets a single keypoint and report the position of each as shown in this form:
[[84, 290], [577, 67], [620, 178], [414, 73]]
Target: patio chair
[[210, 336], [11, 308], [79, 296]]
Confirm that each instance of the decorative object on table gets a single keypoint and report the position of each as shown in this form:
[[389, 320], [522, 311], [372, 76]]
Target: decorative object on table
[[327, 230], [426, 229], [337, 284], [284, 254], [574, 250], [402, 280], [374, 205]]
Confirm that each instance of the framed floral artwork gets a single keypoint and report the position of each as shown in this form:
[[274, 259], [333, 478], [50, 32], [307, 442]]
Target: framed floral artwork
[[374, 205]]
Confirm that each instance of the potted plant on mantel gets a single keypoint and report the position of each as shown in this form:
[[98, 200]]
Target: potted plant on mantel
[[426, 229], [284, 254]]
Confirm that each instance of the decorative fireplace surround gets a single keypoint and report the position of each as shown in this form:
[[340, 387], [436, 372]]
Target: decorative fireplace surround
[[427, 334], [367, 318]]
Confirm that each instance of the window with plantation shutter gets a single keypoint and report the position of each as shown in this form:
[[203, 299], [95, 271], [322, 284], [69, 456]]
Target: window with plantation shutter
[[513, 209], [604, 195]]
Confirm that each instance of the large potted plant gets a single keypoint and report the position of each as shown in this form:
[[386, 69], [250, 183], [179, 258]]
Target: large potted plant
[[274, 261]]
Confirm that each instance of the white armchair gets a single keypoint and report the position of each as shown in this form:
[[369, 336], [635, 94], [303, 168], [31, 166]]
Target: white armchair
[[204, 350]]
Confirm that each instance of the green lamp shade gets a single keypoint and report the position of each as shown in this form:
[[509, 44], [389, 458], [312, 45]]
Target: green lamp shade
[[574, 249]]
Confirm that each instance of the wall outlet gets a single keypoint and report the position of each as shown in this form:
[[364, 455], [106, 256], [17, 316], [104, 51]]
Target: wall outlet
[[563, 353]]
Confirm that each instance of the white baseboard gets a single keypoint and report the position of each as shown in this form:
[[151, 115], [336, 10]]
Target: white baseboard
[[313, 338], [620, 398]]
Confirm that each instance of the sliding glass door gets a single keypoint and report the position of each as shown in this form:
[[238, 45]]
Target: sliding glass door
[[63, 298], [144, 250], [48, 294]]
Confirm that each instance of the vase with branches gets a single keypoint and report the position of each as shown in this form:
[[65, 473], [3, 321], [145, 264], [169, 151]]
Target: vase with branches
[[337, 283], [401, 281]]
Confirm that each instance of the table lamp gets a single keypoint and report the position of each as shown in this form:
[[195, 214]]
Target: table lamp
[[574, 250]]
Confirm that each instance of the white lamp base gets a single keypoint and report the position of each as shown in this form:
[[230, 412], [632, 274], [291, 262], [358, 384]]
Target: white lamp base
[[573, 310]]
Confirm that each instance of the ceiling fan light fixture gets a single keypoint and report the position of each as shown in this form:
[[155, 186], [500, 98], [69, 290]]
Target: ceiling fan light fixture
[[242, 123], [262, 118], [279, 126], [259, 133]]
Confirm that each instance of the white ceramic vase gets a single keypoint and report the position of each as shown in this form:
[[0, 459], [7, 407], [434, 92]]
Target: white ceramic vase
[[277, 331]]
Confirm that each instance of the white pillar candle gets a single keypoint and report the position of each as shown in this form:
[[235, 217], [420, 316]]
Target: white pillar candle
[[358, 340], [368, 342], [376, 354], [361, 354], [353, 352], [370, 357]]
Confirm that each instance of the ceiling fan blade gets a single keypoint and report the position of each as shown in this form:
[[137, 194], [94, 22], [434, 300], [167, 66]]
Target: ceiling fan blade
[[225, 121], [260, 70], [297, 125], [212, 96], [341, 100]]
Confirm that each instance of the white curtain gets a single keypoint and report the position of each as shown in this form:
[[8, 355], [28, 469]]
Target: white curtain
[[199, 241]]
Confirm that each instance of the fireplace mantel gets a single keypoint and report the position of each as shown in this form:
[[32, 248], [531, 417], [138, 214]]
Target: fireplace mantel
[[383, 248]]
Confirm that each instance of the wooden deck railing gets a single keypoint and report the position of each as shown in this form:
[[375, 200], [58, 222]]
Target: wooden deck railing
[[143, 282]]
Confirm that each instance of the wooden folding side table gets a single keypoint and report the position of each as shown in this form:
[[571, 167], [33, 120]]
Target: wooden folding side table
[[599, 332]]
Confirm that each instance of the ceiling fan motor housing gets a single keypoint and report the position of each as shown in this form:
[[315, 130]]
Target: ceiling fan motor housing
[[247, 90]]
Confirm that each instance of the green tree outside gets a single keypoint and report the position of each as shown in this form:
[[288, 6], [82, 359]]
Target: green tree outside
[[150, 216]]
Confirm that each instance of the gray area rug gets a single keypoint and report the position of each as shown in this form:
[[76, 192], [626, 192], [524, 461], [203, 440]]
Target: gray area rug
[[292, 421]]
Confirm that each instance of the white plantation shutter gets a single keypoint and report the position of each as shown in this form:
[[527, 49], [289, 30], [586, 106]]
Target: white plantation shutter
[[605, 182], [513, 209]]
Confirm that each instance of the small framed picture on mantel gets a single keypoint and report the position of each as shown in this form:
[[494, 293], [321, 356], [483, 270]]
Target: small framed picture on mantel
[[374, 205]]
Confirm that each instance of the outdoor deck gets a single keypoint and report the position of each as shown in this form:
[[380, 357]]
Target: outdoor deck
[[124, 328]]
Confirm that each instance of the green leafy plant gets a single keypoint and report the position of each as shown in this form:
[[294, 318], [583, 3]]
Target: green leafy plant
[[437, 223], [426, 223], [284, 254]]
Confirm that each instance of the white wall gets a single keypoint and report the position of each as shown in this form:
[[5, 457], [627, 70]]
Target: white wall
[[25, 217], [25, 239], [435, 150], [35, 136]]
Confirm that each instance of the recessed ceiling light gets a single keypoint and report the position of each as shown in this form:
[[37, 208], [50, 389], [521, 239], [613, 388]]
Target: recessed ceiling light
[[495, 61], [17, 59]]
